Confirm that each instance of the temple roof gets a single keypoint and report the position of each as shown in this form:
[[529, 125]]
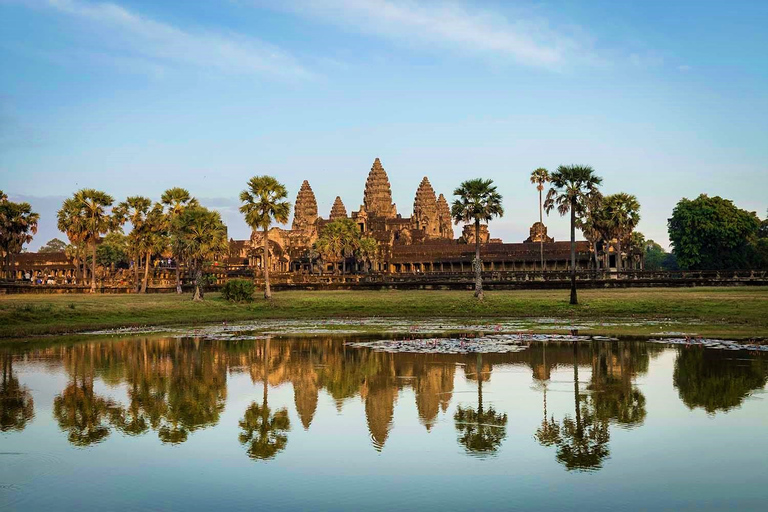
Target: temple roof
[[444, 215], [425, 209]]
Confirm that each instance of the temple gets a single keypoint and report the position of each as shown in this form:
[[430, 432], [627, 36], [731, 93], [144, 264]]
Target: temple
[[424, 242]]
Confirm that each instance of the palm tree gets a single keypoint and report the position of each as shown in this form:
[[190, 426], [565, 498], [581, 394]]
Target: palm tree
[[175, 201], [621, 214], [571, 186], [263, 202], [539, 177], [478, 201], [17, 225], [135, 210], [591, 223], [199, 236], [367, 249], [154, 239], [85, 216]]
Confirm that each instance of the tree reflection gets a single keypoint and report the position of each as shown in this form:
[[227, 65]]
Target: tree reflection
[[17, 408], [83, 414], [615, 398], [263, 432], [548, 432], [715, 380], [482, 431]]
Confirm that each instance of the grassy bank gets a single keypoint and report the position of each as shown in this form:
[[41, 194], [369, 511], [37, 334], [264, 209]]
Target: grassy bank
[[735, 312]]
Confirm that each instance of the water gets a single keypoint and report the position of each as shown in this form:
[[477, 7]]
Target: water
[[161, 423]]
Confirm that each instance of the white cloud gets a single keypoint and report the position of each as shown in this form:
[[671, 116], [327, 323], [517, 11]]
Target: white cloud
[[165, 45], [527, 40], [684, 68]]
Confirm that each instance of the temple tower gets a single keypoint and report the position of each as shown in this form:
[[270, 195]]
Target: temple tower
[[444, 218], [305, 209], [338, 210], [425, 215], [378, 193]]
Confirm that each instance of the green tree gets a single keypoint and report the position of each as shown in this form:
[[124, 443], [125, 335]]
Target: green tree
[[154, 239], [338, 240], [17, 225], [571, 188], [711, 233], [539, 177], [264, 202], [135, 210], [368, 252], [199, 236], [53, 245], [85, 216], [113, 251], [477, 201], [176, 200], [620, 214]]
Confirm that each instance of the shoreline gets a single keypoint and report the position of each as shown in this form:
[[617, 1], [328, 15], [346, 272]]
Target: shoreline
[[715, 312]]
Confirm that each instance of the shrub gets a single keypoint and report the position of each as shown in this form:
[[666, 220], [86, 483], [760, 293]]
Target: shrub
[[238, 290]]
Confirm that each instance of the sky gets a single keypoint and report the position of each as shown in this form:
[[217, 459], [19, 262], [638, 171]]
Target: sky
[[663, 99]]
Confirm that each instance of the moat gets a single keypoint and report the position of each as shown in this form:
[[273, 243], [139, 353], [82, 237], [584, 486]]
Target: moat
[[226, 419]]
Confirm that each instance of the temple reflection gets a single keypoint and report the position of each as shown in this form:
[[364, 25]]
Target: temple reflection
[[173, 387]]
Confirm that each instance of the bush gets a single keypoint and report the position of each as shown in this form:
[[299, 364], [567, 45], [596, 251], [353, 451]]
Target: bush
[[238, 290]]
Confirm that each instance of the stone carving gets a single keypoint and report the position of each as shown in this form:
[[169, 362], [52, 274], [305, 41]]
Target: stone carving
[[444, 218], [305, 210], [468, 234], [338, 210]]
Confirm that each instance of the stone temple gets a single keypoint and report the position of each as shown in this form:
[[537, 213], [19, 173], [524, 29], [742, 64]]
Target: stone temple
[[424, 242]]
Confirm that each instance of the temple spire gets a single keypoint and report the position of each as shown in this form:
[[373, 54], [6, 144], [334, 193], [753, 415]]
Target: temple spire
[[305, 209], [338, 210], [444, 218], [377, 198], [425, 215]]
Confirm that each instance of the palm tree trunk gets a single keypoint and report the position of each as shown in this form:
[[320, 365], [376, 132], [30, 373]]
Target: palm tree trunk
[[146, 273], [479, 369], [478, 263], [265, 260], [197, 296], [93, 266], [541, 237], [178, 277], [136, 265], [618, 254], [574, 299]]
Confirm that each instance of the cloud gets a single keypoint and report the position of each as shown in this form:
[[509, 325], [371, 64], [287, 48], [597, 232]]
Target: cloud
[[526, 40], [161, 45], [684, 68]]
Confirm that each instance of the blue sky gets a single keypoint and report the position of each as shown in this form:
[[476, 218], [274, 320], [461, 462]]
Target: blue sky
[[664, 99]]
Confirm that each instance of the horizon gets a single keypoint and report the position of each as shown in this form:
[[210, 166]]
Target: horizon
[[133, 97]]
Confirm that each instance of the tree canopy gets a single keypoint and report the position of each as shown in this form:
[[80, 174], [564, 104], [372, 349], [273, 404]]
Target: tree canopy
[[711, 233]]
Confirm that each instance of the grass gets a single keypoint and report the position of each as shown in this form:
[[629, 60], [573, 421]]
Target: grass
[[736, 312]]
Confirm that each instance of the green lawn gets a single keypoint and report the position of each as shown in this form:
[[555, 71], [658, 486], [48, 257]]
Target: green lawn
[[736, 312]]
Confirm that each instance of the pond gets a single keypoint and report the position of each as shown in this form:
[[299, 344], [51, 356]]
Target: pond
[[324, 422]]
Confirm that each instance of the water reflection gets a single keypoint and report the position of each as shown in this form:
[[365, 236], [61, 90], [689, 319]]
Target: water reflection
[[17, 408], [262, 431], [717, 380], [480, 431], [172, 388]]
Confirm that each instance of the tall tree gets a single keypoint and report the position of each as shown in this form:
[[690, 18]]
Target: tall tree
[[539, 177], [17, 225], [571, 187], [53, 245], [264, 202], [199, 236], [620, 214], [176, 200], [154, 237], [85, 216], [711, 233], [338, 240], [135, 210], [477, 201]]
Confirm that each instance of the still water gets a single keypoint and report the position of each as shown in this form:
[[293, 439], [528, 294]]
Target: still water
[[154, 423]]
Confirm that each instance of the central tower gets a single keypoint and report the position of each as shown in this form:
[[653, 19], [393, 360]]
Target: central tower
[[378, 193]]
